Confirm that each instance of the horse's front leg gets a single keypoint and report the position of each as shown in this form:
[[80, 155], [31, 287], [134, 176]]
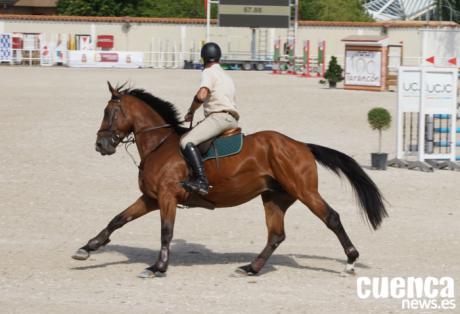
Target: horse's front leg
[[142, 206], [168, 204]]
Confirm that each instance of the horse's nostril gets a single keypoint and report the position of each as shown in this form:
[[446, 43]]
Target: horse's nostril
[[98, 146]]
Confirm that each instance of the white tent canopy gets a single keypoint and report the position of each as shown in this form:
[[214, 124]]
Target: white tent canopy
[[385, 10]]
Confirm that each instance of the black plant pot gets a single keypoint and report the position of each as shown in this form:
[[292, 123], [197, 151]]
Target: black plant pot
[[379, 161], [188, 64], [332, 84]]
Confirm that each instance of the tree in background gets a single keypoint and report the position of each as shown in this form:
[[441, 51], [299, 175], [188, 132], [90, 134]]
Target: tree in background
[[448, 10], [143, 8], [309, 9], [334, 73], [176, 8], [333, 10], [326, 10], [100, 7]]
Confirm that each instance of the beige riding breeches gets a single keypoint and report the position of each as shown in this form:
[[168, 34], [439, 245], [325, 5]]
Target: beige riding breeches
[[211, 126]]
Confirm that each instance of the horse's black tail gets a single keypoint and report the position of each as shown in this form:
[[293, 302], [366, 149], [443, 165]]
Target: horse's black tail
[[368, 194]]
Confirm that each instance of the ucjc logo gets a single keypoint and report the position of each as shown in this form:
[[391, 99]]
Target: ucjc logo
[[439, 88], [430, 88], [411, 87]]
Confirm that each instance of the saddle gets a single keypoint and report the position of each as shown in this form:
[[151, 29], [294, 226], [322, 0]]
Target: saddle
[[205, 146], [225, 144]]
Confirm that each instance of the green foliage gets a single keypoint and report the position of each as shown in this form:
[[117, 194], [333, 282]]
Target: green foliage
[[142, 8], [99, 7], [176, 8], [333, 10], [309, 9], [326, 10], [334, 71], [447, 10], [379, 118]]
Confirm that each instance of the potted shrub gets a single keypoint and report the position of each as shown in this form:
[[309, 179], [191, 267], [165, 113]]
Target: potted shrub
[[333, 73], [379, 119]]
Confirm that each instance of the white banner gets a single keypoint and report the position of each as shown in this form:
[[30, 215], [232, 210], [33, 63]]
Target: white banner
[[31, 42], [84, 42], [363, 68], [441, 47], [409, 89], [105, 59], [428, 91], [53, 49], [60, 50]]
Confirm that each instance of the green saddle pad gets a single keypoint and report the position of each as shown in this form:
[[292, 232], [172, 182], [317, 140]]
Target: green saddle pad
[[224, 146]]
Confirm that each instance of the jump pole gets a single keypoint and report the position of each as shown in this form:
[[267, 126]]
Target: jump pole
[[322, 57], [276, 68], [306, 58]]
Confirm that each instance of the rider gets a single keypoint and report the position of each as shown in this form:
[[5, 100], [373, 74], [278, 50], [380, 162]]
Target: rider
[[217, 95]]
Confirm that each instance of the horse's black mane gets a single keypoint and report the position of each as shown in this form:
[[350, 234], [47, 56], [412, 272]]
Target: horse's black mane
[[164, 108]]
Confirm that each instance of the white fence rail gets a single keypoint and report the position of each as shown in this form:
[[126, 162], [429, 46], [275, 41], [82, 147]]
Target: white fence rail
[[163, 59], [157, 60]]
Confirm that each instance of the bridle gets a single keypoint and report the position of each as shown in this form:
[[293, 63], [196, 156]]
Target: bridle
[[130, 139], [113, 116]]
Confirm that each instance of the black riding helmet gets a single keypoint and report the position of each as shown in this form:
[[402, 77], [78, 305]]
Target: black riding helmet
[[211, 53]]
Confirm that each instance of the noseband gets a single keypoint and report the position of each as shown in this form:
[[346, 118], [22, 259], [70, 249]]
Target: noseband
[[113, 116]]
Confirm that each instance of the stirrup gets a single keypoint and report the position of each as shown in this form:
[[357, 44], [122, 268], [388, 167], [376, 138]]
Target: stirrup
[[196, 186]]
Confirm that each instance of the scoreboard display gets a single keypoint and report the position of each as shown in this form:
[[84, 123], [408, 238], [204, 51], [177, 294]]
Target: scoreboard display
[[254, 13]]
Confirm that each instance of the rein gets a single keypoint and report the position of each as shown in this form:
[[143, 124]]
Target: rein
[[130, 139]]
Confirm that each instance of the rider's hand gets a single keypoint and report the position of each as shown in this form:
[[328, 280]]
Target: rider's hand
[[188, 117]]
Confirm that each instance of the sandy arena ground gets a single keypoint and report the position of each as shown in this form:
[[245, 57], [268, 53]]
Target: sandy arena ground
[[57, 192]]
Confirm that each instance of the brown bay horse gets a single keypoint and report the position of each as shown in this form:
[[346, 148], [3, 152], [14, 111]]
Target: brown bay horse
[[279, 169]]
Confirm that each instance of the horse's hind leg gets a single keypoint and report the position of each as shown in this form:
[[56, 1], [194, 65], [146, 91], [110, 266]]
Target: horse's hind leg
[[331, 218], [142, 206], [275, 203]]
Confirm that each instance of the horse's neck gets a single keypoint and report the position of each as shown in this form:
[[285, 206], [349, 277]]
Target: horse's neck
[[149, 141], [148, 137]]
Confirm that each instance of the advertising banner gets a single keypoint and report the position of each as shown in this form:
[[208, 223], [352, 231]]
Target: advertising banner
[[84, 42], [105, 41], [363, 68], [102, 59], [6, 46], [428, 91], [53, 49]]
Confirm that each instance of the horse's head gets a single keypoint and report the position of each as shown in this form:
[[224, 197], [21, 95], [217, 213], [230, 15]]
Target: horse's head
[[116, 124]]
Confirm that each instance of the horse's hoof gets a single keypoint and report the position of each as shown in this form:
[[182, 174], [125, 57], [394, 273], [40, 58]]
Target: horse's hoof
[[350, 268], [146, 273], [245, 270], [81, 255]]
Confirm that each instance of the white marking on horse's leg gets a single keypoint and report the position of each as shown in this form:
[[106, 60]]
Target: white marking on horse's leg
[[350, 268], [81, 255], [146, 273]]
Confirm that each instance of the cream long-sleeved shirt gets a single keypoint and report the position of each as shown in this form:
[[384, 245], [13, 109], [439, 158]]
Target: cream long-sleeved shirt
[[222, 90]]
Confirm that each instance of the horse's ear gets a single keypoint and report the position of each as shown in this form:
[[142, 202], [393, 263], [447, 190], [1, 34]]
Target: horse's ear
[[112, 90]]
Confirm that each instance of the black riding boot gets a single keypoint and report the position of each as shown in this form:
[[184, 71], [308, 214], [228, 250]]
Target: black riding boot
[[200, 183]]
